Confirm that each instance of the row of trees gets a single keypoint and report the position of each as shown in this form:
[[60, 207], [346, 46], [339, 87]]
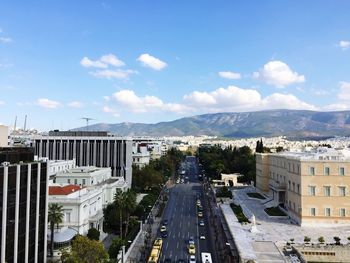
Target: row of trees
[[216, 160], [156, 172]]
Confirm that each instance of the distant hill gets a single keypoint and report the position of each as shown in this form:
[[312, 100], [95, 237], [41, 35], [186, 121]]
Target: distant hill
[[291, 123]]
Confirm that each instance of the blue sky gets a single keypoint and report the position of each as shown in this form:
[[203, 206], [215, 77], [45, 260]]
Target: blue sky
[[151, 61]]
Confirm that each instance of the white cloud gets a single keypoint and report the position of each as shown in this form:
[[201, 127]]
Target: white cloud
[[48, 104], [107, 109], [229, 75], [344, 44], [5, 40], [130, 101], [230, 98], [112, 60], [2, 103], [336, 107], [151, 62], [106, 98], [237, 99], [113, 73], [285, 101], [279, 74], [76, 104], [102, 62], [87, 63], [344, 91]]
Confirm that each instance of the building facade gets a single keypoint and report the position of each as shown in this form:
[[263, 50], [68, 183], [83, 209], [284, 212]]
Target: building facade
[[23, 192], [88, 149], [312, 186], [82, 192]]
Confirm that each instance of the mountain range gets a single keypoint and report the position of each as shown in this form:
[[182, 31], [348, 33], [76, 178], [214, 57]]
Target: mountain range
[[290, 123]]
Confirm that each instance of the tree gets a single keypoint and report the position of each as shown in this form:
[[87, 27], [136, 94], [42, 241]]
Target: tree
[[307, 239], [93, 234], [84, 250], [321, 240], [55, 216], [115, 247], [130, 206], [119, 201], [337, 240]]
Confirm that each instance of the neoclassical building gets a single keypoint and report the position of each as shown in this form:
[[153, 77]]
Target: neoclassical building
[[313, 186]]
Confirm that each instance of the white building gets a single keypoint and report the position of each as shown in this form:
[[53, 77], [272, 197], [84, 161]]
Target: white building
[[140, 154], [4, 136], [83, 192]]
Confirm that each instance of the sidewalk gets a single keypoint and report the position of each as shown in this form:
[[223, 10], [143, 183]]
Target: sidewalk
[[143, 245]]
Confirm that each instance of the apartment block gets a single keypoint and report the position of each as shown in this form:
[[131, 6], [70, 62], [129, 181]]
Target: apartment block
[[88, 149], [23, 206], [313, 186]]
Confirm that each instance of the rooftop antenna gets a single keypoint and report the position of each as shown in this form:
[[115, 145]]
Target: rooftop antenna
[[87, 122], [25, 123], [14, 126]]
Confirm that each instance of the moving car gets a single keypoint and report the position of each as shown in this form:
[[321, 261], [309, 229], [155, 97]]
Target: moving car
[[202, 237], [191, 241], [200, 214], [201, 222], [163, 229], [192, 259], [165, 222], [191, 249]]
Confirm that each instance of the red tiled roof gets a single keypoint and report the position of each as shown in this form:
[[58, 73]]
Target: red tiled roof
[[63, 190]]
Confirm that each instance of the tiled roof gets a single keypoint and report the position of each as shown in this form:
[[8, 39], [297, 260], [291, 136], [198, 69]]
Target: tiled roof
[[63, 190]]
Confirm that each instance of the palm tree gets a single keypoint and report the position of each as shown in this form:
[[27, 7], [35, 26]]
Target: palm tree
[[55, 216], [130, 206], [119, 200]]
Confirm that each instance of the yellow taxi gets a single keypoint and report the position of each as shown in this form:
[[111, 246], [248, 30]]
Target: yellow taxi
[[191, 249]]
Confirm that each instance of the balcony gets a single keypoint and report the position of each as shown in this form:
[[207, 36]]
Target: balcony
[[277, 186]]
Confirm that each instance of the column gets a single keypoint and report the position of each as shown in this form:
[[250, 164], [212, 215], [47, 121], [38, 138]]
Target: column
[[15, 247], [4, 215]]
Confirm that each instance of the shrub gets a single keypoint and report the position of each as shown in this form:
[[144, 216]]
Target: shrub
[[337, 240], [307, 239], [93, 234], [321, 240]]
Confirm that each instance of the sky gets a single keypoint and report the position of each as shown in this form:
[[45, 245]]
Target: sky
[[151, 61]]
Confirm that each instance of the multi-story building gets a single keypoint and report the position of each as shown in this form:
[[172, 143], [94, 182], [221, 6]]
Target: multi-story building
[[312, 186], [82, 192], [140, 154], [23, 206], [4, 136], [88, 149]]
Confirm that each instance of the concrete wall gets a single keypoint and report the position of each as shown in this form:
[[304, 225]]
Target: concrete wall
[[4, 133]]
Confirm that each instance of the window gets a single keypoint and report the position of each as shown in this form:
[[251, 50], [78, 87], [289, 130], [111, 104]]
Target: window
[[288, 185], [327, 190], [293, 187], [327, 211], [312, 171], [326, 171], [83, 181], [342, 191], [298, 188], [75, 181], [342, 212], [68, 181], [312, 190], [313, 211], [67, 217], [341, 171]]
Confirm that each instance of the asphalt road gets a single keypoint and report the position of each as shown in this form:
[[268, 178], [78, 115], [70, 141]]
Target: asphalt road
[[183, 221]]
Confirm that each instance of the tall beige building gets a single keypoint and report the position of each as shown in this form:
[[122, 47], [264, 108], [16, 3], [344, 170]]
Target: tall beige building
[[313, 186], [4, 135]]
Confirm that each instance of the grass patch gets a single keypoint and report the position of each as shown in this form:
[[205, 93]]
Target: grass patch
[[274, 211], [237, 209], [256, 195]]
